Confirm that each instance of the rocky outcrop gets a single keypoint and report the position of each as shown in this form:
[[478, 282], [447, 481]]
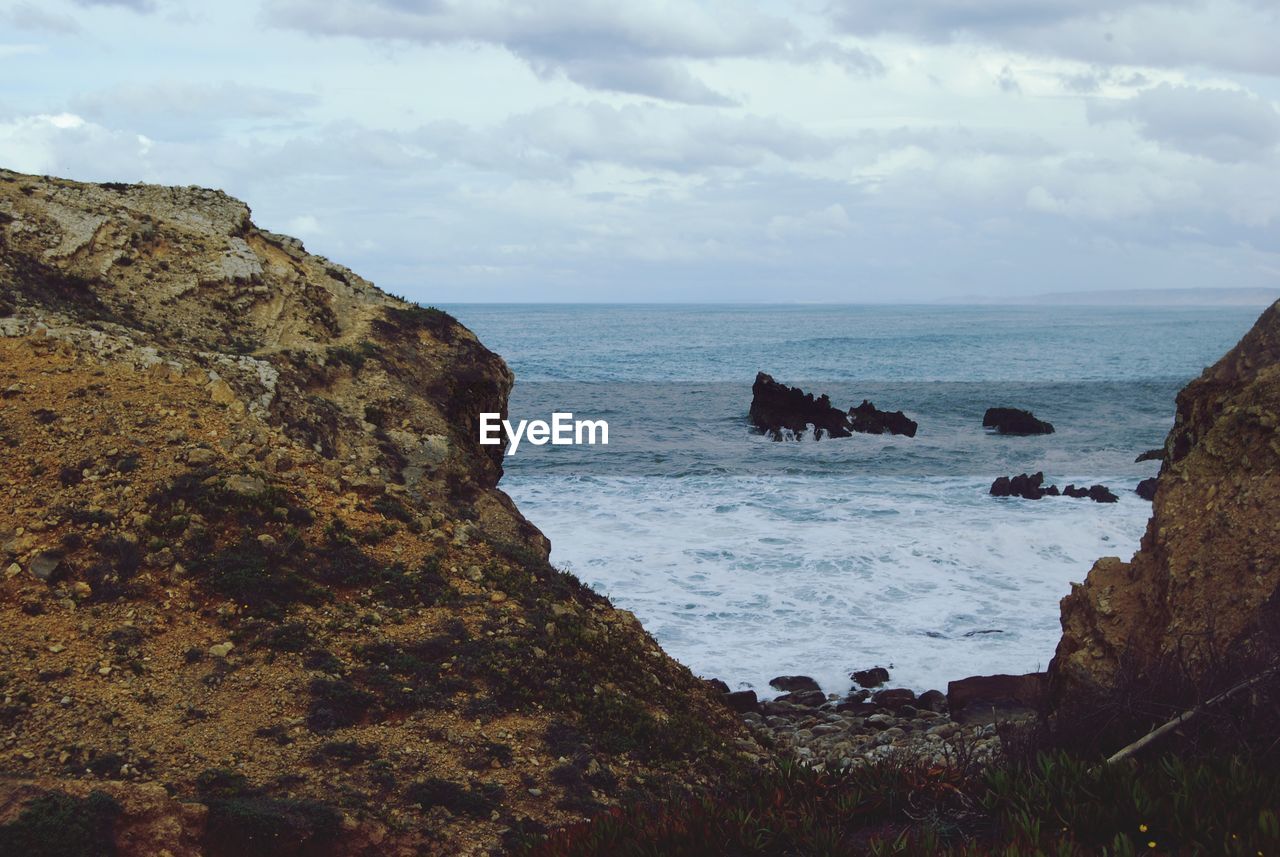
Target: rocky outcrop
[[1030, 486], [1146, 489], [1096, 493], [1196, 606], [1015, 421], [777, 408], [868, 419], [255, 565]]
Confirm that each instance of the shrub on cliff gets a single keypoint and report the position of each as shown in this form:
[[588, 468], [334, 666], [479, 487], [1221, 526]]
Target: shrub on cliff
[[59, 825]]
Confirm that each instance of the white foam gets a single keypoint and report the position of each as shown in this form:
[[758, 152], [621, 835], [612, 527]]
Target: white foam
[[745, 578]]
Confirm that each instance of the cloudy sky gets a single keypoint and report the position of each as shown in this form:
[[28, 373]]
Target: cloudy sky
[[833, 150]]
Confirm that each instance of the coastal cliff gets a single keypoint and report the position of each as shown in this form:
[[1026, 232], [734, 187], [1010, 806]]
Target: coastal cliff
[[1195, 609], [259, 590]]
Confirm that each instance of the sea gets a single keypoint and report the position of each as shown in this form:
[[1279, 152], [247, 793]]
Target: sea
[[749, 558]]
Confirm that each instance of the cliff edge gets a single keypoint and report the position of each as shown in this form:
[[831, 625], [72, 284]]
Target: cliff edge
[[1198, 606], [259, 590]]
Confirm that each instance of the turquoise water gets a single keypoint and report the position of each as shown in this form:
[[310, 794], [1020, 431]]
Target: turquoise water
[[748, 558]]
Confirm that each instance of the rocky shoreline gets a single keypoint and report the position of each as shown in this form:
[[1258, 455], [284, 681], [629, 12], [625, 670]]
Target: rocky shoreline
[[873, 722]]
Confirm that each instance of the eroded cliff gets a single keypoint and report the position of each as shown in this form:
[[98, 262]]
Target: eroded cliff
[[258, 587], [1198, 606]]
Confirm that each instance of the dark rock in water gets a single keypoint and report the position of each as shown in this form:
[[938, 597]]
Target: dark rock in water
[[775, 406], [1147, 488], [986, 696], [1151, 455], [1031, 486], [873, 677], [1096, 493], [742, 700], [794, 683], [866, 418], [717, 685], [1014, 421], [1022, 485], [894, 698], [983, 632], [932, 700], [808, 698]]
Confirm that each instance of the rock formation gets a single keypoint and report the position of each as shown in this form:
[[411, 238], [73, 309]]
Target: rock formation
[[1197, 604], [776, 408], [1014, 421], [251, 551], [1030, 486]]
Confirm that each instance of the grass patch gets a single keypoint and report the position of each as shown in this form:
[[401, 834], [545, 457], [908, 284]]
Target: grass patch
[[476, 800], [245, 822], [1056, 805], [59, 825]]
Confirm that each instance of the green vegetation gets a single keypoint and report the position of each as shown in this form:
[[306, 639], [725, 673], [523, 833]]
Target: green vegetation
[[59, 825], [1056, 804], [244, 822], [352, 357], [477, 800]]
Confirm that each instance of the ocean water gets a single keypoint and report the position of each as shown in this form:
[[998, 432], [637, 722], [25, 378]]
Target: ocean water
[[748, 558]]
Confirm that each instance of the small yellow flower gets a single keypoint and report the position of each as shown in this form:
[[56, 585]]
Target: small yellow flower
[[1151, 844], [1142, 828]]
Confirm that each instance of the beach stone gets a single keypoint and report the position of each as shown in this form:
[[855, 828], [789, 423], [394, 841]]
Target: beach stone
[[793, 683], [932, 700], [808, 698], [742, 700], [894, 698]]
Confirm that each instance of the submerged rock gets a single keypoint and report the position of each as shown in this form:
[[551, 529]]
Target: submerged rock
[[1015, 421]]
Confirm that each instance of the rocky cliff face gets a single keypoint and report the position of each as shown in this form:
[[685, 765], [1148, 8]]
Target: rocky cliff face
[[257, 582], [1198, 604]]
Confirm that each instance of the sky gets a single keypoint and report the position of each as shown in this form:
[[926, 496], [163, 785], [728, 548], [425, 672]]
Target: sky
[[577, 150]]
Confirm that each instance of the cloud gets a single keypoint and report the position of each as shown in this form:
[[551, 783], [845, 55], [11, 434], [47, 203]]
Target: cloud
[[29, 16], [1235, 35], [636, 48], [135, 5], [1223, 124], [552, 141], [185, 110]]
